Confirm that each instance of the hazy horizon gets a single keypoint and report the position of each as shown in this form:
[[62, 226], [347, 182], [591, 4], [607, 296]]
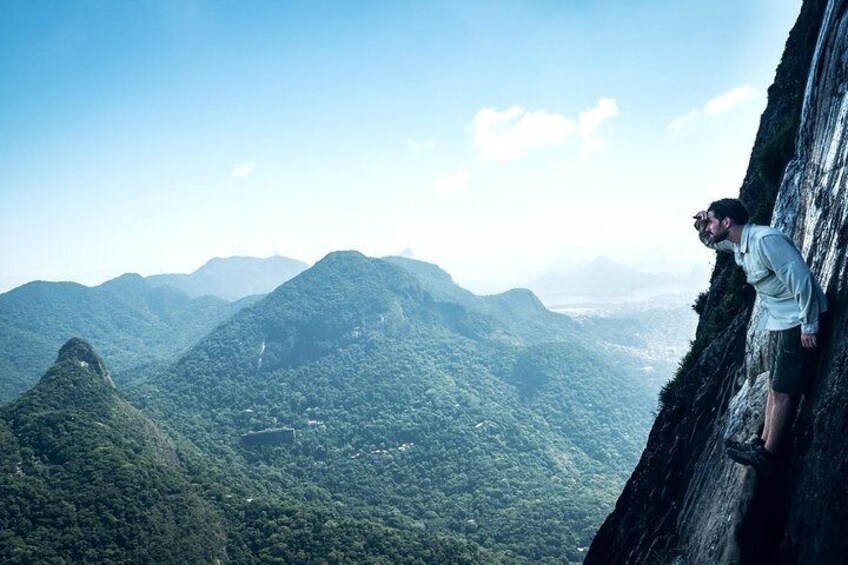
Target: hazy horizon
[[564, 268], [492, 140]]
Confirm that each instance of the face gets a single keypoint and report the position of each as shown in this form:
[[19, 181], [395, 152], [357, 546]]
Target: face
[[718, 229]]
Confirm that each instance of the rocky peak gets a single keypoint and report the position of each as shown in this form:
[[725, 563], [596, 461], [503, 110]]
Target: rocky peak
[[79, 352]]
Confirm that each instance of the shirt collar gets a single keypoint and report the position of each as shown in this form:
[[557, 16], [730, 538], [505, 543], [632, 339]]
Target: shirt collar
[[743, 239]]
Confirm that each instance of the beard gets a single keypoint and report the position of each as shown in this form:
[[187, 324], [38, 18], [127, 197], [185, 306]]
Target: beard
[[720, 236]]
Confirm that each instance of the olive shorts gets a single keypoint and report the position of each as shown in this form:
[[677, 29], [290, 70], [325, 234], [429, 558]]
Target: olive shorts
[[793, 365]]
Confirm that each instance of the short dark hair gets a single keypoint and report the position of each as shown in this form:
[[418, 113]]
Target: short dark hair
[[730, 208]]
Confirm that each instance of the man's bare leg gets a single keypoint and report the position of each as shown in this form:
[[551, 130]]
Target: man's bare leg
[[768, 411], [782, 415]]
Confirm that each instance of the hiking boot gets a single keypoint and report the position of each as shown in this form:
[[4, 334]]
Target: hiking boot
[[744, 446], [764, 463]]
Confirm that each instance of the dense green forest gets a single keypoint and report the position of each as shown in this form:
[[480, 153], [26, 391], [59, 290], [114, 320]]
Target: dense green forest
[[431, 425], [127, 320], [412, 411], [85, 477]]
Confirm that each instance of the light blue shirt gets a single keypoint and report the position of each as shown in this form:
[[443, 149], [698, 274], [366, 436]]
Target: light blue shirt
[[774, 267]]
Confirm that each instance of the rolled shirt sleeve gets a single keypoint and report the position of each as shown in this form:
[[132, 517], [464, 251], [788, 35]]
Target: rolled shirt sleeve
[[789, 267]]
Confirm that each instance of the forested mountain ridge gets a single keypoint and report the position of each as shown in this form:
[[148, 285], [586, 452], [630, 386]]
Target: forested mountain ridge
[[518, 311], [646, 343], [410, 411], [87, 478], [432, 425], [129, 321]]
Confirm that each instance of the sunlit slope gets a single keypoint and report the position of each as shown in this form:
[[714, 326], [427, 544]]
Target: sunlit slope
[[411, 411]]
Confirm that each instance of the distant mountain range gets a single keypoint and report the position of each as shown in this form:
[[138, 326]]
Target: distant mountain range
[[603, 280], [658, 336], [135, 325], [130, 321], [518, 310], [431, 425], [233, 278]]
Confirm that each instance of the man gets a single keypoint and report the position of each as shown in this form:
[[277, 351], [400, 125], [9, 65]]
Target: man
[[793, 302]]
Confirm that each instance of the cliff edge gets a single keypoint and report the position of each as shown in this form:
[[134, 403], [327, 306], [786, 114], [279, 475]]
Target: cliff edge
[[686, 502]]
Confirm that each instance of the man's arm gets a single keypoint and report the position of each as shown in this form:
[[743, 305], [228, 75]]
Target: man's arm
[[782, 257]]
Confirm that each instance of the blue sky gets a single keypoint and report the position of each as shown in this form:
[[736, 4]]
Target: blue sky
[[492, 138]]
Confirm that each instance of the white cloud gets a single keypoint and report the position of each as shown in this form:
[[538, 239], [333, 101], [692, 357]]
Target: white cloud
[[513, 133], [510, 134], [244, 169], [421, 146], [451, 183], [729, 100], [684, 122], [589, 121], [715, 106]]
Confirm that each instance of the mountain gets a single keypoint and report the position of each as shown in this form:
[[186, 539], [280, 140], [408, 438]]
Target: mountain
[[87, 478], [129, 321], [519, 312], [603, 280], [647, 340], [686, 501], [412, 411], [233, 278]]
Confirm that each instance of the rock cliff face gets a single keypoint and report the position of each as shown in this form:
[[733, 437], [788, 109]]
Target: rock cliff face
[[686, 503]]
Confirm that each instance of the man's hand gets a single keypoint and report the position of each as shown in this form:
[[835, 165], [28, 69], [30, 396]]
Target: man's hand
[[701, 221], [809, 341]]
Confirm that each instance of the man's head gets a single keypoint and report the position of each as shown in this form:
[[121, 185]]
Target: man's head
[[722, 216]]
